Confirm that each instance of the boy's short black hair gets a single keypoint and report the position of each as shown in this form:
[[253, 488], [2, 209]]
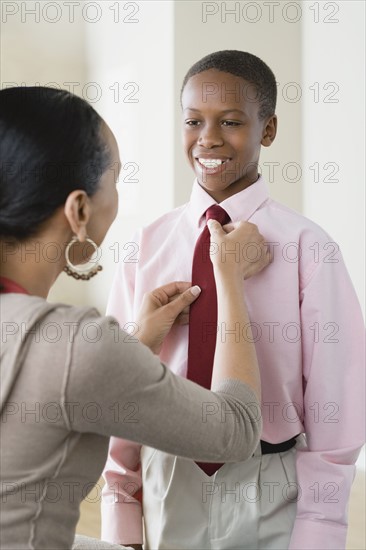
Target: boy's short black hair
[[247, 66]]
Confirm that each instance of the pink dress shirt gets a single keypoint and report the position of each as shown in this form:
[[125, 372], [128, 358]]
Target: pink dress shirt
[[308, 331]]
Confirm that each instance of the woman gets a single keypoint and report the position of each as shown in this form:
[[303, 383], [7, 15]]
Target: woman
[[69, 378]]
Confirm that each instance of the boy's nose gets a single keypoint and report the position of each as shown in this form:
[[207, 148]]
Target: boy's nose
[[210, 137]]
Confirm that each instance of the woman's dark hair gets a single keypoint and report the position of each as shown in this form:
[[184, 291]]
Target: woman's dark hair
[[50, 145], [249, 67]]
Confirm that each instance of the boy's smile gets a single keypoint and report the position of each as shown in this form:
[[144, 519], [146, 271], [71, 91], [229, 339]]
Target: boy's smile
[[222, 132]]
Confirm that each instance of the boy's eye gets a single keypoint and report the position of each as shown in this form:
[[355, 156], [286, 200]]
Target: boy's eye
[[230, 123], [192, 122]]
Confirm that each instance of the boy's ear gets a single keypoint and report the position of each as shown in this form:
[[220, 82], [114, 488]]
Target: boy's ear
[[269, 131]]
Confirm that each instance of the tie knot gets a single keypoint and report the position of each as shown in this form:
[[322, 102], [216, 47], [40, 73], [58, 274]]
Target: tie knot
[[215, 212]]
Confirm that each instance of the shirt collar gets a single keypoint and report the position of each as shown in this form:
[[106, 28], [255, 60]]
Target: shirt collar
[[240, 207], [8, 286]]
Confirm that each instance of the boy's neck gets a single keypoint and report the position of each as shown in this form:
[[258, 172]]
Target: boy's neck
[[233, 189]]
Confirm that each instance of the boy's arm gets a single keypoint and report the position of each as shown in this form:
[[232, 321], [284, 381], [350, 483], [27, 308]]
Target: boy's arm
[[333, 374], [121, 508]]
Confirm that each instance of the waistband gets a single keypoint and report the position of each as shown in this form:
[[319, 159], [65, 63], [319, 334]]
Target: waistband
[[271, 448]]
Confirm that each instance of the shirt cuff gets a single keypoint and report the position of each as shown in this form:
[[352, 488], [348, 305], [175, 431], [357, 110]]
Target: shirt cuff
[[122, 523], [312, 535]]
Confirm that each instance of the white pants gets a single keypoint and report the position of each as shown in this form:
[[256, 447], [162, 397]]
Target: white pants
[[88, 543], [248, 505]]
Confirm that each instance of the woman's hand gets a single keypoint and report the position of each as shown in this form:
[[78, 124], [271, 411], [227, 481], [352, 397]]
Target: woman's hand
[[161, 308], [236, 254], [238, 247]]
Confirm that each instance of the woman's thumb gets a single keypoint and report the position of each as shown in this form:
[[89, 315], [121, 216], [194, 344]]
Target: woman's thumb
[[215, 227], [185, 299]]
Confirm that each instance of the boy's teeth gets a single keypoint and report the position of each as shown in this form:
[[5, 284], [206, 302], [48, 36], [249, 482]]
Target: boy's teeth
[[211, 163]]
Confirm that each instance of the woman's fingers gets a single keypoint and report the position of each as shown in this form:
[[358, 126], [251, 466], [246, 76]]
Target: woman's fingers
[[183, 301], [182, 319], [159, 311], [215, 228], [172, 299], [238, 245], [162, 295], [175, 297], [228, 227], [169, 292]]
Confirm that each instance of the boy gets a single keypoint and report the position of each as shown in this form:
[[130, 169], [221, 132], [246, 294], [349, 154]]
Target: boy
[[308, 330]]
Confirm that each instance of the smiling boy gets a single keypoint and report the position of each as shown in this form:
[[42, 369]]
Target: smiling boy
[[222, 123], [307, 327]]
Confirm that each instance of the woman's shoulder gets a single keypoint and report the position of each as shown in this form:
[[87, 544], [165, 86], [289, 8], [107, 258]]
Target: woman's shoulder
[[24, 308], [24, 314]]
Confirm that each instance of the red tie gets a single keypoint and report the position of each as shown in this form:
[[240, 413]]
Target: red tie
[[203, 315]]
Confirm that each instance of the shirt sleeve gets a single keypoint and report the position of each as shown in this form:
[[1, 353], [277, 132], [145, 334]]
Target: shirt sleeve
[[121, 495], [121, 510], [333, 378]]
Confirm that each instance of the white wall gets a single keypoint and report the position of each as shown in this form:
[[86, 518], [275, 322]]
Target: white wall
[[151, 45], [119, 57], [333, 64], [142, 51], [333, 77], [34, 51], [135, 53], [204, 27]]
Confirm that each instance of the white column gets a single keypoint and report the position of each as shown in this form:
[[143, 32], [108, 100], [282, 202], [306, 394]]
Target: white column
[[130, 58], [271, 31], [35, 51], [333, 130], [333, 126]]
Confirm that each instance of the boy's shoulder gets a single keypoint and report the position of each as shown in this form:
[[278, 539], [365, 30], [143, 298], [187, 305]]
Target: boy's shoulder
[[167, 220], [279, 218], [292, 221]]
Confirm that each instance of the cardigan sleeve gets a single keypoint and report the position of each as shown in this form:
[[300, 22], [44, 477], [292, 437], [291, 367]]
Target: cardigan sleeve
[[117, 387]]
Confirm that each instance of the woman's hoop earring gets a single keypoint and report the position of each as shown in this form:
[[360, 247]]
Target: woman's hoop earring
[[77, 271]]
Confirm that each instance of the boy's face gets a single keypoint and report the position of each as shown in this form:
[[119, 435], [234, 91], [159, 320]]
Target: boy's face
[[222, 133]]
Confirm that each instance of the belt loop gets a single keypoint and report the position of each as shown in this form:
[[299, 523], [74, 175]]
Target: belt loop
[[258, 450]]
